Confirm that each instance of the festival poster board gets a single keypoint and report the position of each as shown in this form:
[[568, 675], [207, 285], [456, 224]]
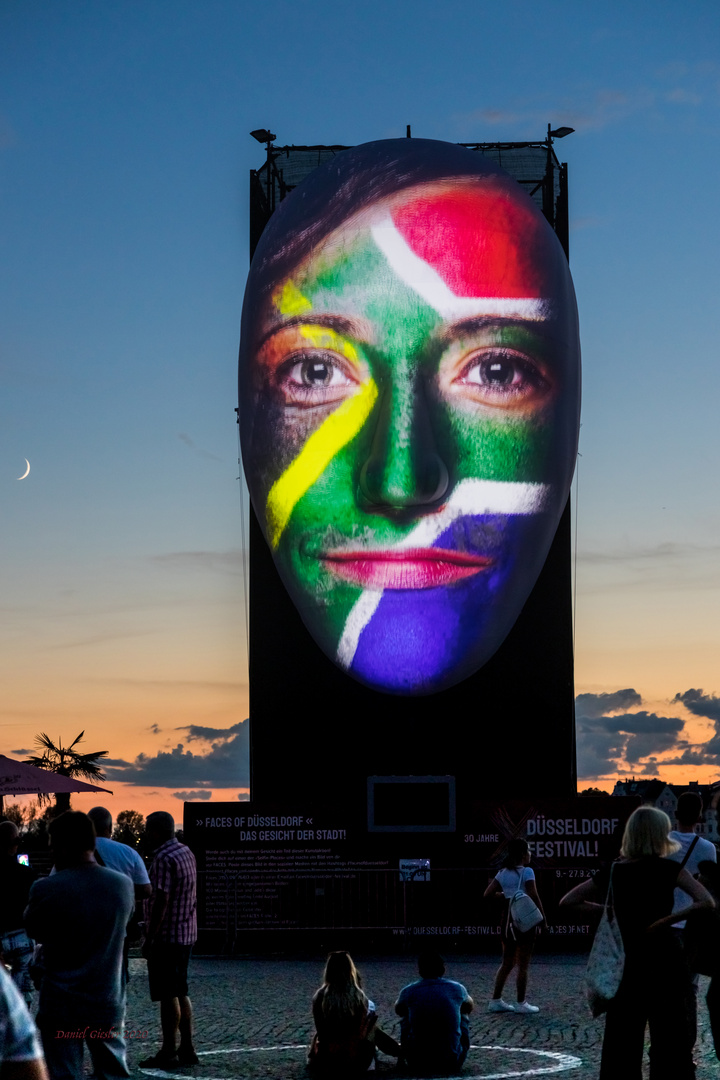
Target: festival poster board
[[303, 869]]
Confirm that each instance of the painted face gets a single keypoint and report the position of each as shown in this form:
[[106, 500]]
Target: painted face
[[410, 426]]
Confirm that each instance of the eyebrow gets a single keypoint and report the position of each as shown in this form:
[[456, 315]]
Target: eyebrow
[[341, 324], [480, 322]]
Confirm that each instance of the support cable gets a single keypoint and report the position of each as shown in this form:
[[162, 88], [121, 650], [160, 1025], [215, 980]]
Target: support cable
[[575, 547], [244, 554]]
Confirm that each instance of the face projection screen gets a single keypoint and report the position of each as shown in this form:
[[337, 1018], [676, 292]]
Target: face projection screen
[[409, 406]]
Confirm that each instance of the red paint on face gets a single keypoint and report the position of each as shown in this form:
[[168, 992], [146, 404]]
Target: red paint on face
[[482, 243], [417, 568]]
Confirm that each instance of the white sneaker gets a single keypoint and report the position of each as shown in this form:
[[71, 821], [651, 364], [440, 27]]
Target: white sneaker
[[525, 1007], [498, 1005]]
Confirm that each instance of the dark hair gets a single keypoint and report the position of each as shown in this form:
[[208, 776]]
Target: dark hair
[[517, 849], [354, 179], [689, 808], [9, 834], [101, 819], [72, 832], [161, 822], [431, 964]]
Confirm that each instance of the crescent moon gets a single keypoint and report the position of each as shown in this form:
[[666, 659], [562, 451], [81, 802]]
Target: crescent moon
[[26, 471]]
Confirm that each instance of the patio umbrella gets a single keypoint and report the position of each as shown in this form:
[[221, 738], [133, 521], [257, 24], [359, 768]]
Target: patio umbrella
[[17, 778]]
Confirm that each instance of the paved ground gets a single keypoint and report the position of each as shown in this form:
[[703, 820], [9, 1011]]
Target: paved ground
[[253, 1017]]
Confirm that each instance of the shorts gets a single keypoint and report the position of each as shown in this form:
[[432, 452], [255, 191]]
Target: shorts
[[167, 970]]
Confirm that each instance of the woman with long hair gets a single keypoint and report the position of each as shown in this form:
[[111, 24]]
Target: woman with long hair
[[346, 1027], [655, 986], [517, 946]]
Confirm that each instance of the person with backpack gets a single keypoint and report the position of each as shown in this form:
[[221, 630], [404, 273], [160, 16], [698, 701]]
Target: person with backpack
[[516, 883]]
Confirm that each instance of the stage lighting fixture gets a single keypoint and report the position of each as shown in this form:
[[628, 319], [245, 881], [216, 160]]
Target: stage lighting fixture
[[263, 135]]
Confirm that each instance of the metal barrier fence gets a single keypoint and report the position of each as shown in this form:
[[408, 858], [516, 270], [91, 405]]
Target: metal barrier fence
[[347, 899]]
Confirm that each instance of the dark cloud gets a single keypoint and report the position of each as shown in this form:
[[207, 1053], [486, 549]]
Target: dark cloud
[[22, 752], [706, 706], [642, 746], [644, 723], [155, 729], [192, 796], [606, 743], [701, 704], [602, 704], [226, 765], [596, 753], [693, 756], [212, 734]]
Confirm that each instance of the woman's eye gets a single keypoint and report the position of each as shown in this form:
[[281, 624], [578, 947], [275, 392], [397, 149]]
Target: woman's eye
[[316, 379], [316, 372], [502, 376]]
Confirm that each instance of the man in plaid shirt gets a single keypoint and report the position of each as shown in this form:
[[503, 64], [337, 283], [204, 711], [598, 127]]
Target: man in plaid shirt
[[170, 935]]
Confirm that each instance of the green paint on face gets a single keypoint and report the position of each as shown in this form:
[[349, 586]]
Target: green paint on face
[[427, 405]]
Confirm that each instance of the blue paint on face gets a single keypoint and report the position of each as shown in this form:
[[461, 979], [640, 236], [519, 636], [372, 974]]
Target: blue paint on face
[[416, 637]]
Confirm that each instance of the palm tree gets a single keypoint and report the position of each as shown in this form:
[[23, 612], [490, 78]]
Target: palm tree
[[66, 761]]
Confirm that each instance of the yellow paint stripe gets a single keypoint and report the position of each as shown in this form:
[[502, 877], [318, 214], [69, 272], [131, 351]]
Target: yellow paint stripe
[[290, 301], [323, 337], [314, 458]]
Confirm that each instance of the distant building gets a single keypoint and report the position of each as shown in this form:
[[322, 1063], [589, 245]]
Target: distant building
[[665, 797]]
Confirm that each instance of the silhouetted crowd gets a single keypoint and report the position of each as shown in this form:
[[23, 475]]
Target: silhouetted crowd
[[68, 935]]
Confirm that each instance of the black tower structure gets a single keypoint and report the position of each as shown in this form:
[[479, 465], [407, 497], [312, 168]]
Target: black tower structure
[[319, 737]]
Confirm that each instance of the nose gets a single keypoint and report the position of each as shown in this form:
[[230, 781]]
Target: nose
[[404, 469]]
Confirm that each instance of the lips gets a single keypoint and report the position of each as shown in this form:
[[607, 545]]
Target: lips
[[416, 568]]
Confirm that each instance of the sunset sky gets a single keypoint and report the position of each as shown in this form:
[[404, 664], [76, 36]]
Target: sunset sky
[[124, 250]]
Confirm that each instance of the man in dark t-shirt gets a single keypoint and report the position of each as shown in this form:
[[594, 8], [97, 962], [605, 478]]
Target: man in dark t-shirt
[[80, 915], [433, 1011]]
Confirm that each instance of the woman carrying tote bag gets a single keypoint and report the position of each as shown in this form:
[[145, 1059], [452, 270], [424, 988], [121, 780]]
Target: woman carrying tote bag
[[655, 981], [517, 945]]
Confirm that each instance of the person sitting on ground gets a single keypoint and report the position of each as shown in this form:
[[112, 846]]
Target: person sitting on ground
[[434, 1026], [346, 1027], [517, 946]]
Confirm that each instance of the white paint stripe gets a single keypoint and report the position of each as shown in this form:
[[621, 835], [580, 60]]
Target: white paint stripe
[[427, 283], [560, 1062], [360, 615], [470, 498]]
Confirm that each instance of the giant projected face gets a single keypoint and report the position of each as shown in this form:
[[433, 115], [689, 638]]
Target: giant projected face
[[409, 407]]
